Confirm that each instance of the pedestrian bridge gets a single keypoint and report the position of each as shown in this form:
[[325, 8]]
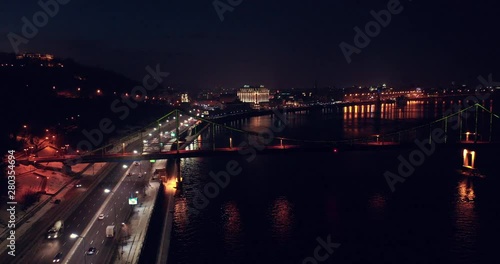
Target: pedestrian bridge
[[451, 130]]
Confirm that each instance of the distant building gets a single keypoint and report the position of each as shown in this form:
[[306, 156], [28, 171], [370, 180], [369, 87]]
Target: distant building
[[42, 57], [255, 95], [44, 60], [184, 98]]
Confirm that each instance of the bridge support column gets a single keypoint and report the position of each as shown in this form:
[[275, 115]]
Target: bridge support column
[[445, 129], [178, 183], [460, 125], [213, 136], [430, 134], [159, 136], [491, 124], [177, 129], [475, 126]]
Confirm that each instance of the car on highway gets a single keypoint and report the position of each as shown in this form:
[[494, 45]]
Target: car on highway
[[78, 185], [101, 216], [91, 251], [58, 257]]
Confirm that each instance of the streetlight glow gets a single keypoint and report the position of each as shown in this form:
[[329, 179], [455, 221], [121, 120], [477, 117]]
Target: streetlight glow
[[107, 190]]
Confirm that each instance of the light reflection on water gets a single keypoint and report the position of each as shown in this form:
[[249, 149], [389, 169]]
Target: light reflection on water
[[282, 218], [232, 223], [466, 220], [273, 208]]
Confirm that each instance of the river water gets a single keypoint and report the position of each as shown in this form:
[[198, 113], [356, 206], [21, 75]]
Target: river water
[[283, 208]]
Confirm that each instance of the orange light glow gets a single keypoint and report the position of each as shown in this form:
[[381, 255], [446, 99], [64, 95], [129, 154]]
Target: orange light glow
[[469, 163]]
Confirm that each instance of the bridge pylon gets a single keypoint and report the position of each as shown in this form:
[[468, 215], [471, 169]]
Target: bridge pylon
[[178, 182]]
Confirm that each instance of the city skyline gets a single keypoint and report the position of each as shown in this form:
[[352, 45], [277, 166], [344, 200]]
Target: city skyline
[[288, 45]]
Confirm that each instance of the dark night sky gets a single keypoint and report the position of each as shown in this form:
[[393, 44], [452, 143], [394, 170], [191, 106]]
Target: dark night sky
[[281, 44]]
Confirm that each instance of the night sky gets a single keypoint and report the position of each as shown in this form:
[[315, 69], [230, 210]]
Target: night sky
[[280, 44]]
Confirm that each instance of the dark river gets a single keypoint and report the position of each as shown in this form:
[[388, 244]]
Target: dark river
[[338, 207]]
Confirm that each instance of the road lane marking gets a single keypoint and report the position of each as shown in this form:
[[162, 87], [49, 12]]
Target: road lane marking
[[78, 225], [64, 244], [97, 232], [91, 242], [102, 241]]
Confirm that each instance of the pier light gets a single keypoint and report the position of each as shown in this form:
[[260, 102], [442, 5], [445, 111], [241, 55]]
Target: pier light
[[467, 136], [469, 158]]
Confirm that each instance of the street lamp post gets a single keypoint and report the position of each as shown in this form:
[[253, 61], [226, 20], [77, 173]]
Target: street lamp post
[[73, 236]]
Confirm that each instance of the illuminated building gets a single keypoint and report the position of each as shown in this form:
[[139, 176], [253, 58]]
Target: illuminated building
[[42, 57], [254, 95], [184, 98]]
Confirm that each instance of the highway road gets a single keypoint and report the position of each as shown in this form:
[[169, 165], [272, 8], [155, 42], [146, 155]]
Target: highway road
[[131, 186], [45, 249], [86, 213], [115, 212]]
